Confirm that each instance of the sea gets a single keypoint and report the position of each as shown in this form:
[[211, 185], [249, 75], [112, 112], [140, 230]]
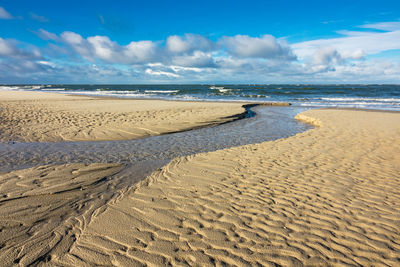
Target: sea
[[364, 96]]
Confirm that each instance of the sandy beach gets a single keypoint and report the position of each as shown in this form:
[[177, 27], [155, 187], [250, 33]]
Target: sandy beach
[[328, 196], [50, 117]]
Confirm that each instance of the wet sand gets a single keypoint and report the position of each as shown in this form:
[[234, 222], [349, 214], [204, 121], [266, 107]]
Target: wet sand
[[328, 196], [50, 117]]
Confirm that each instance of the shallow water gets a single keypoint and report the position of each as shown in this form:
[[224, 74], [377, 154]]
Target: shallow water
[[270, 123]]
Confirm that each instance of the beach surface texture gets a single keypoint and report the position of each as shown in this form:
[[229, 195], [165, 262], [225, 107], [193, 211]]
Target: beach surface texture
[[328, 196], [50, 117]]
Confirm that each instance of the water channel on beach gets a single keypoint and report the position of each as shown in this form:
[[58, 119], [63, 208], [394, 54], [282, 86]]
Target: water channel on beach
[[142, 156]]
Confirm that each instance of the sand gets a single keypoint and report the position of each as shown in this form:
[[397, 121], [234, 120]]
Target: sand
[[329, 196], [51, 117], [43, 209]]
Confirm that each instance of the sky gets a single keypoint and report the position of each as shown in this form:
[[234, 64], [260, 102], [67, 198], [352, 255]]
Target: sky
[[174, 41]]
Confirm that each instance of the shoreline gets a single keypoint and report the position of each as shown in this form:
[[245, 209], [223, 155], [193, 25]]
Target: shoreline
[[58, 117], [83, 126], [52, 117]]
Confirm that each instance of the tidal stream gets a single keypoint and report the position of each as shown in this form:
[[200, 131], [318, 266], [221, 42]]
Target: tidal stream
[[142, 156]]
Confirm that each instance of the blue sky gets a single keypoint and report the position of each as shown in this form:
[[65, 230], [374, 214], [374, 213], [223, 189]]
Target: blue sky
[[199, 41]]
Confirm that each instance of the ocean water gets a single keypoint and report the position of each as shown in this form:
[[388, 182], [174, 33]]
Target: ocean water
[[373, 96]]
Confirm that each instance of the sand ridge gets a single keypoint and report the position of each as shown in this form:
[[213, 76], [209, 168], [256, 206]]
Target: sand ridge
[[328, 196], [50, 117]]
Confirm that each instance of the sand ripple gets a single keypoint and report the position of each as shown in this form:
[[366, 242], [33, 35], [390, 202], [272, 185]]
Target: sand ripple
[[329, 196], [43, 209]]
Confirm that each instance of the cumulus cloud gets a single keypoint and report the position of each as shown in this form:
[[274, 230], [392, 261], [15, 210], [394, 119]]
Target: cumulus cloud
[[142, 51], [9, 48], [188, 43], [326, 56], [4, 14], [325, 59], [102, 48], [195, 58], [266, 46]]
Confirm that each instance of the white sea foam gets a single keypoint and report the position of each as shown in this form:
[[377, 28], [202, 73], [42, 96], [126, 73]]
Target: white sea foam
[[54, 89], [344, 99], [119, 92], [185, 97], [216, 87], [21, 87], [162, 91], [132, 94]]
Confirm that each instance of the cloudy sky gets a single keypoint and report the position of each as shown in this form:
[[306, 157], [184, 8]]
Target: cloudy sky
[[199, 41]]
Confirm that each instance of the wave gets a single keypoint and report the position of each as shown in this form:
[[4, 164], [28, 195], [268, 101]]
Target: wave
[[216, 87], [186, 97], [21, 87], [133, 94], [343, 99], [162, 91], [119, 92], [54, 89], [255, 96]]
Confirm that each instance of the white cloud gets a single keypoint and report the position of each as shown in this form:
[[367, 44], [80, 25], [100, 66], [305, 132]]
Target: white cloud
[[102, 48], [9, 48], [6, 47], [72, 38], [38, 18], [194, 58], [47, 63], [141, 52], [384, 26], [352, 45], [161, 73], [326, 56], [188, 43], [78, 44], [266, 46], [45, 35], [197, 59], [4, 14]]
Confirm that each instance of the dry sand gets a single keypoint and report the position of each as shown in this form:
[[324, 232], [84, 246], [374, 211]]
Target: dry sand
[[50, 117], [329, 196]]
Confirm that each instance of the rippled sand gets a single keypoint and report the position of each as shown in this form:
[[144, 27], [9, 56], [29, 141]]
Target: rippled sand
[[49, 117], [44, 209], [329, 196]]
